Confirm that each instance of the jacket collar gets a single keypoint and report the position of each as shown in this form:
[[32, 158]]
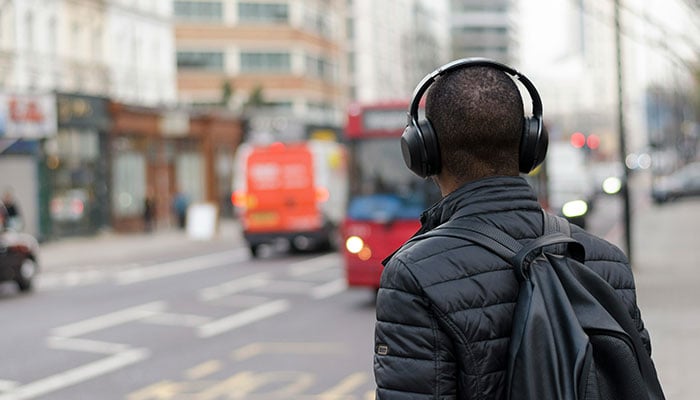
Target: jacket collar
[[483, 196]]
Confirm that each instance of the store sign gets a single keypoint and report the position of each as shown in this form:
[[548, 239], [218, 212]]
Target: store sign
[[81, 111], [27, 116]]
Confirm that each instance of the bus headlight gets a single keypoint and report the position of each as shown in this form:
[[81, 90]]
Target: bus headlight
[[354, 244], [575, 208]]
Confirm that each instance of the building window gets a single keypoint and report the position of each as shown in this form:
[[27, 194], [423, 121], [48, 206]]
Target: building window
[[207, 60], [319, 67], [266, 62], [263, 12], [199, 10]]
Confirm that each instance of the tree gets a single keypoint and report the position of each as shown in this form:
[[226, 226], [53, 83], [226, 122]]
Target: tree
[[226, 93]]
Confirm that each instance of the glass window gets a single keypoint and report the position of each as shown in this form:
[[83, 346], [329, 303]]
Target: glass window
[[266, 62], [381, 188], [209, 60], [198, 10], [129, 184], [263, 12]]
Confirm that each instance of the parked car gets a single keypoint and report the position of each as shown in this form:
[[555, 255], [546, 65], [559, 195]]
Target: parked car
[[18, 255], [684, 182]]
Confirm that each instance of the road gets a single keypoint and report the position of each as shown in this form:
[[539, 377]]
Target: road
[[215, 326], [176, 322]]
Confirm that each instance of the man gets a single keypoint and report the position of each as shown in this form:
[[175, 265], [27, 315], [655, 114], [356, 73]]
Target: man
[[445, 305]]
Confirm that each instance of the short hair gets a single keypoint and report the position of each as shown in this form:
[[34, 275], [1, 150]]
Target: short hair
[[477, 114]]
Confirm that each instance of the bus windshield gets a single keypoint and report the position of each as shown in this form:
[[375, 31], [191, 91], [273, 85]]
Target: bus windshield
[[381, 187]]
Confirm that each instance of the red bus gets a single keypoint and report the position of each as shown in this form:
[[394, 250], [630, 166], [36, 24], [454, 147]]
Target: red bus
[[385, 198]]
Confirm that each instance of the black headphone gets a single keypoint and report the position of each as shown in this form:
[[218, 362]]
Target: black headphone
[[419, 143]]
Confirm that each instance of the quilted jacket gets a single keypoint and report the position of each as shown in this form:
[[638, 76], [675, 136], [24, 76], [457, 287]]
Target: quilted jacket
[[445, 305]]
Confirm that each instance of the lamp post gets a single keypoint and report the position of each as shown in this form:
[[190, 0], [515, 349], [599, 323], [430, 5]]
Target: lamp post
[[627, 218]]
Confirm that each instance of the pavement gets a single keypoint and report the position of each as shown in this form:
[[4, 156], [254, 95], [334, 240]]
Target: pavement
[[112, 248], [666, 263]]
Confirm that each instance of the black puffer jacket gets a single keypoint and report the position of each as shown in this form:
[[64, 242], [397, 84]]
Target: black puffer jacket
[[445, 305]]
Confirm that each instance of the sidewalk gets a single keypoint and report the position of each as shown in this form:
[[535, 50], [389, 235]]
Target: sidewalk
[[112, 248], [667, 272]]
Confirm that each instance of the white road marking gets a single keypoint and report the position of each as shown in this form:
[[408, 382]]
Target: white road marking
[[302, 268], [234, 286], [329, 289], [178, 267], [6, 386], [76, 375], [86, 345], [109, 320], [243, 318], [172, 319]]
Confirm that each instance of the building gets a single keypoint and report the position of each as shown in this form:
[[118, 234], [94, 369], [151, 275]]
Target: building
[[576, 72], [285, 55], [484, 28], [392, 44], [89, 121]]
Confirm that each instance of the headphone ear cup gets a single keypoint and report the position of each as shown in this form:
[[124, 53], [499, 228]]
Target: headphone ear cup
[[419, 148], [433, 161], [533, 145], [412, 150]]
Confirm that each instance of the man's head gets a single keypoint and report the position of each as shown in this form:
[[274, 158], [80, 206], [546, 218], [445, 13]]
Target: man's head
[[477, 114]]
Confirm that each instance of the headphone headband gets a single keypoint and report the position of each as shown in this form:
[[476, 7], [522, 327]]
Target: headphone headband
[[428, 80], [419, 141]]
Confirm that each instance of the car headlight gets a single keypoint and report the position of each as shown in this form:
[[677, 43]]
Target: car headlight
[[612, 185], [575, 208], [354, 244]]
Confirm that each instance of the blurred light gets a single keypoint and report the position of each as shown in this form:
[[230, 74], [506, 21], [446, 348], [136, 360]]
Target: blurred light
[[593, 142], [125, 200], [578, 140], [644, 161], [632, 161], [612, 185], [575, 208], [322, 194], [354, 244], [365, 254], [238, 199]]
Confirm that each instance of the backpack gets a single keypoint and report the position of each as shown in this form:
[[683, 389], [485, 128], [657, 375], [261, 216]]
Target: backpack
[[572, 337]]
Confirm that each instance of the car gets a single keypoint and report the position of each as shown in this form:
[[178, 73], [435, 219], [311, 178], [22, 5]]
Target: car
[[684, 182], [18, 255]]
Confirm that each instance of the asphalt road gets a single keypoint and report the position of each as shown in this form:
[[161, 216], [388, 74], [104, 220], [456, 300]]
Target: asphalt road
[[180, 324], [215, 326]]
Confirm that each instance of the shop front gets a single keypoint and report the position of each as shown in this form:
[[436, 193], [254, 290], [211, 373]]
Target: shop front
[[76, 166], [159, 155]]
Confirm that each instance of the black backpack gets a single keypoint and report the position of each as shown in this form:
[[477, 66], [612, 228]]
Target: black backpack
[[572, 336]]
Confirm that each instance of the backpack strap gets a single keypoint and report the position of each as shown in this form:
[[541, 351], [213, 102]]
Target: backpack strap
[[508, 248]]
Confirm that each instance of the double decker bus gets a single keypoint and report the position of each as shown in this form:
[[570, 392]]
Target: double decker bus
[[385, 198]]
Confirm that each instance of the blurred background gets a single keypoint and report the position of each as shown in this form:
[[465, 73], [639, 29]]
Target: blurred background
[[144, 142]]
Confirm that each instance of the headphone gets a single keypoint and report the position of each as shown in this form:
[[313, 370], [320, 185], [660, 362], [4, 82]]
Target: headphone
[[419, 143]]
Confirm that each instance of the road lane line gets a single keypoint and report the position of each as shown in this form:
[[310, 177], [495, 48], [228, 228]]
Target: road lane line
[[76, 375], [178, 267], [329, 289], [345, 387], [109, 320], [203, 370], [234, 286], [304, 348], [310, 266], [86, 345], [6, 386], [171, 319], [243, 318]]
